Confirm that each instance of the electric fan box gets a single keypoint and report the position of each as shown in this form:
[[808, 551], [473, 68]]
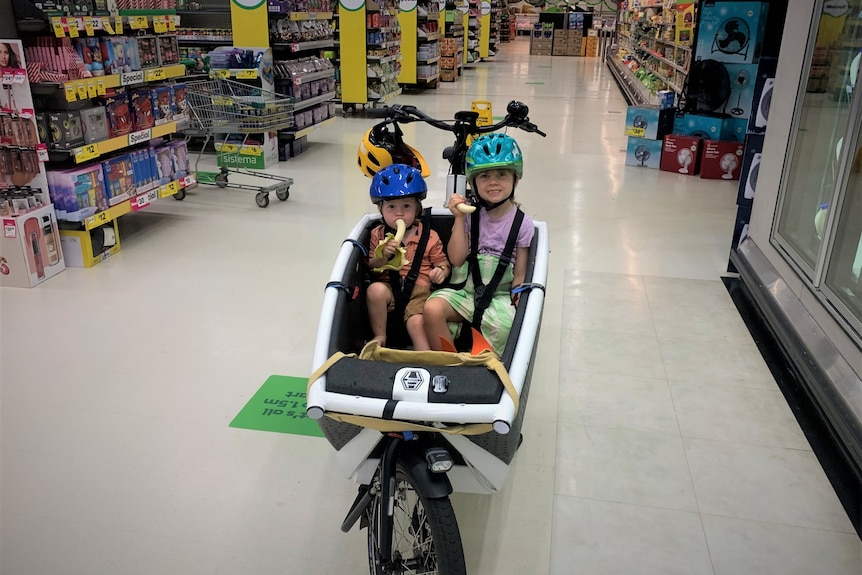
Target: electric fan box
[[721, 160], [649, 122], [743, 78], [706, 127], [750, 170], [733, 129], [643, 152], [762, 95], [731, 32], [681, 154]]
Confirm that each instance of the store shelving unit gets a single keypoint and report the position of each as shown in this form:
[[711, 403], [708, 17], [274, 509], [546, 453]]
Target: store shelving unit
[[369, 44], [648, 57], [474, 31], [203, 28], [298, 40], [452, 45], [506, 24]]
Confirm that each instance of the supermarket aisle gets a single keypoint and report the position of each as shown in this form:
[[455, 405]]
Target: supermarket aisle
[[656, 440]]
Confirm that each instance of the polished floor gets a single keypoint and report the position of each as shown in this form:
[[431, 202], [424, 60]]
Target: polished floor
[[656, 441]]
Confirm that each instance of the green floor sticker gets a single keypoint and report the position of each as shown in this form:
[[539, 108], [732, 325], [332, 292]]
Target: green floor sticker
[[279, 405], [535, 82]]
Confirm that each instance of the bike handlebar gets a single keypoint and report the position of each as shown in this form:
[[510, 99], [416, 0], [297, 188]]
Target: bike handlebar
[[516, 117]]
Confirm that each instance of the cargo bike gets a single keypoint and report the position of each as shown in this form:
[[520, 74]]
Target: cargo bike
[[413, 427], [224, 108]]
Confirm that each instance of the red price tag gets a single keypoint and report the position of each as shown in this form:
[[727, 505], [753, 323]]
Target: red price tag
[[42, 152], [189, 181], [140, 202]]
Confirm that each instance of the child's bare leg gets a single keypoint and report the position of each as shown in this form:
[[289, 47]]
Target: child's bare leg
[[416, 329], [378, 298], [436, 314]]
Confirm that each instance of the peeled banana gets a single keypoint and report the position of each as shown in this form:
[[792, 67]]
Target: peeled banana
[[466, 209], [399, 260]]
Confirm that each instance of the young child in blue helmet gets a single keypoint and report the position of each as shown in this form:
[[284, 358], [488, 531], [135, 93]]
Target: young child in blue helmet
[[398, 191], [478, 249]]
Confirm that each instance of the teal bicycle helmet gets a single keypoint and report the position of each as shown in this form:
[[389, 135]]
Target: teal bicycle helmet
[[494, 151], [398, 181]]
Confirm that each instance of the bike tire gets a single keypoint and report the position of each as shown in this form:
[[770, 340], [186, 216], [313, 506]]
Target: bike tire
[[442, 554]]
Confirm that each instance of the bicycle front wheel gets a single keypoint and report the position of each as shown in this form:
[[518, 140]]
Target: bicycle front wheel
[[425, 535]]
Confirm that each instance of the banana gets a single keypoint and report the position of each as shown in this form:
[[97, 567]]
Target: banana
[[400, 228], [465, 209]]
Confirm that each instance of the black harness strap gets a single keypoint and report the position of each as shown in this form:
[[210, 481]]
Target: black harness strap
[[402, 288], [484, 293]]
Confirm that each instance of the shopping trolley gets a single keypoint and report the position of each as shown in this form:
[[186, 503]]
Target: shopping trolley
[[222, 107]]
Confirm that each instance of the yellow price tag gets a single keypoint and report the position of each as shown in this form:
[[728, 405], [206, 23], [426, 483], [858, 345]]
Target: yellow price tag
[[247, 74], [91, 89], [223, 73], [96, 220], [82, 90], [88, 26], [118, 24], [138, 23], [57, 24], [156, 74], [250, 150], [106, 26], [172, 24], [72, 24], [228, 148], [87, 152], [71, 94], [160, 26], [636, 132], [100, 87]]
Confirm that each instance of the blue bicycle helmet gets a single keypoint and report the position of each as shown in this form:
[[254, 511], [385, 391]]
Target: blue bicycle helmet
[[494, 151], [397, 181]]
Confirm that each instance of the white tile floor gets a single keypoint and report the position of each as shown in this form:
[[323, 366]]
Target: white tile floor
[[656, 441]]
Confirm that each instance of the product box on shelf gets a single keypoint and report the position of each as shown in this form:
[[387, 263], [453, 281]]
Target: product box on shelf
[[179, 93], [78, 193], [30, 250], [142, 108], [148, 51], [706, 127], [666, 98], [643, 152], [90, 52], [65, 130], [731, 31], [119, 178], [119, 54], [740, 228], [95, 123], [164, 157], [163, 105], [84, 249], [721, 160], [119, 113], [750, 170], [733, 129], [169, 50], [681, 154], [181, 158], [648, 122], [762, 95]]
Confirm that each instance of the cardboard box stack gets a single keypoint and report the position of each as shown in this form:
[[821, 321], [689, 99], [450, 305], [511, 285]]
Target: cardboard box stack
[[448, 59], [591, 43], [541, 40], [576, 43], [646, 127]]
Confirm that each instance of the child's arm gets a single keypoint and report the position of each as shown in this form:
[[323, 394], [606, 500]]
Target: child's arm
[[437, 258], [388, 251], [520, 271]]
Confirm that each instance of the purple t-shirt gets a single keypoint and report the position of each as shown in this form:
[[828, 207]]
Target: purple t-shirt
[[493, 233]]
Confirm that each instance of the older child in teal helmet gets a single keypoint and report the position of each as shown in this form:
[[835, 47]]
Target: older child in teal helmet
[[488, 249], [398, 191]]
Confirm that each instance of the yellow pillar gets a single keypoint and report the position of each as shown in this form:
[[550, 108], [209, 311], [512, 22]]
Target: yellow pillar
[[248, 18], [485, 32], [408, 22], [351, 30]]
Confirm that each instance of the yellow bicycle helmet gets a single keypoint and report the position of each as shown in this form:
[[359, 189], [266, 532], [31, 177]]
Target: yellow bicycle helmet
[[380, 148]]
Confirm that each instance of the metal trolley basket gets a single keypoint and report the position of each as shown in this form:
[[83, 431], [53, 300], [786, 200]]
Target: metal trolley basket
[[224, 107]]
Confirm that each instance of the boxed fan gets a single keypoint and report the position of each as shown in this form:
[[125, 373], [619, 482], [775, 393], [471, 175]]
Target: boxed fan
[[742, 81], [731, 31], [733, 129], [763, 86], [649, 122], [750, 170], [681, 154], [643, 152], [706, 127], [721, 160]]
